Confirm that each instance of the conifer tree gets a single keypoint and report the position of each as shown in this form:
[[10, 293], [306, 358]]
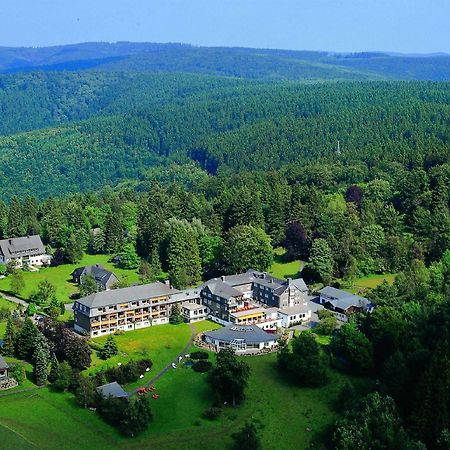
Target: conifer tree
[[40, 367], [16, 226], [25, 340], [54, 368], [9, 338]]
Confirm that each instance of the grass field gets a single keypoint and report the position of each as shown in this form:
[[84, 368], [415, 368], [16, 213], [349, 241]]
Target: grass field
[[60, 277], [287, 416], [282, 269]]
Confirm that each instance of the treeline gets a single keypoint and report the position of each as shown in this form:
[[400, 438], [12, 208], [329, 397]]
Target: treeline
[[235, 126], [194, 225], [399, 355]]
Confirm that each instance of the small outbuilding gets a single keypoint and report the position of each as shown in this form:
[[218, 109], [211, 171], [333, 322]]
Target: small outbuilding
[[114, 390]]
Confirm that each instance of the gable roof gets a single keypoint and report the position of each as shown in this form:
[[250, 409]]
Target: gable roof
[[113, 389], [100, 274], [344, 300], [128, 294], [21, 246], [221, 289], [3, 364]]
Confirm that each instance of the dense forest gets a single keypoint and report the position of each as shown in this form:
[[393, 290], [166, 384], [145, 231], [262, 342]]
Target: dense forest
[[189, 176]]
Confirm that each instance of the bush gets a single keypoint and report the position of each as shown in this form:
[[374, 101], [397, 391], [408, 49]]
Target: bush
[[126, 373], [202, 366], [17, 371], [200, 354], [212, 413]]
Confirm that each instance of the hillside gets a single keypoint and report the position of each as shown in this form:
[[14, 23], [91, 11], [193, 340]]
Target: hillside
[[140, 124], [235, 62]]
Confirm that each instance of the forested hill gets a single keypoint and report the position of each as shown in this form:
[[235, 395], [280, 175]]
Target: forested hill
[[146, 121], [235, 62]]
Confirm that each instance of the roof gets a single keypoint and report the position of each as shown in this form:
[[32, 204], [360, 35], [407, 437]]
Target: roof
[[249, 312], [222, 289], [21, 246], [344, 300], [3, 364], [192, 306], [100, 274], [293, 310], [251, 334], [185, 295], [128, 294], [265, 279], [113, 389]]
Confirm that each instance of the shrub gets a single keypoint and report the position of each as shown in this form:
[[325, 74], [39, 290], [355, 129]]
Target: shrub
[[17, 371], [200, 354], [202, 366], [212, 413]]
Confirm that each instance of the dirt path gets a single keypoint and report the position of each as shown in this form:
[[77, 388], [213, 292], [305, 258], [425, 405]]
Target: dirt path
[[169, 366], [13, 299]]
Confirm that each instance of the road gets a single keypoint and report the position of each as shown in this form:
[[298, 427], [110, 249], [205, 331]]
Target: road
[[169, 366]]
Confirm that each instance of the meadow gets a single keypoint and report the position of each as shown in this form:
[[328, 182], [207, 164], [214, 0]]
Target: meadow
[[60, 277], [287, 416]]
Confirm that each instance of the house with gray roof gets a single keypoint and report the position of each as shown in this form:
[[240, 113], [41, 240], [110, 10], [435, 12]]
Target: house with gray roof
[[27, 250], [124, 309], [104, 278], [242, 338], [344, 303]]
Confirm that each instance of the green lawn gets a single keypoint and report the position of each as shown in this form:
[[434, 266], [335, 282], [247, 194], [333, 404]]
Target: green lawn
[[282, 269], [60, 277], [370, 282], [6, 304], [287, 416], [160, 343]]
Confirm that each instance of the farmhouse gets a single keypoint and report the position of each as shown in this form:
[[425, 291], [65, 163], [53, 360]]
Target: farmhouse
[[242, 338], [104, 278], [123, 309], [28, 250], [343, 303]]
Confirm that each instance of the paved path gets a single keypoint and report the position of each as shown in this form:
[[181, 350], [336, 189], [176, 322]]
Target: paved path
[[169, 366], [13, 299]]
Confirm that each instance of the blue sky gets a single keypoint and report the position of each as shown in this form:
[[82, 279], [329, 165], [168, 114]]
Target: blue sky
[[339, 25]]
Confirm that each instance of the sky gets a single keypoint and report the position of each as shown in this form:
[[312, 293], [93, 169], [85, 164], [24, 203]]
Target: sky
[[408, 26]]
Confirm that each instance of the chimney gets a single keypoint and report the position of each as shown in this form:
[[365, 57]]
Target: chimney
[[167, 282], [222, 277]]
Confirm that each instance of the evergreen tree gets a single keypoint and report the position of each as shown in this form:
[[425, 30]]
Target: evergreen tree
[[73, 250], [16, 225], [114, 233], [40, 367], [54, 368], [129, 259], [98, 242], [175, 315], [183, 258], [109, 349], [25, 340], [86, 393], [9, 339]]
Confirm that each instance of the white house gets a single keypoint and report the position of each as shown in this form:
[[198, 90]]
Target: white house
[[24, 250]]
